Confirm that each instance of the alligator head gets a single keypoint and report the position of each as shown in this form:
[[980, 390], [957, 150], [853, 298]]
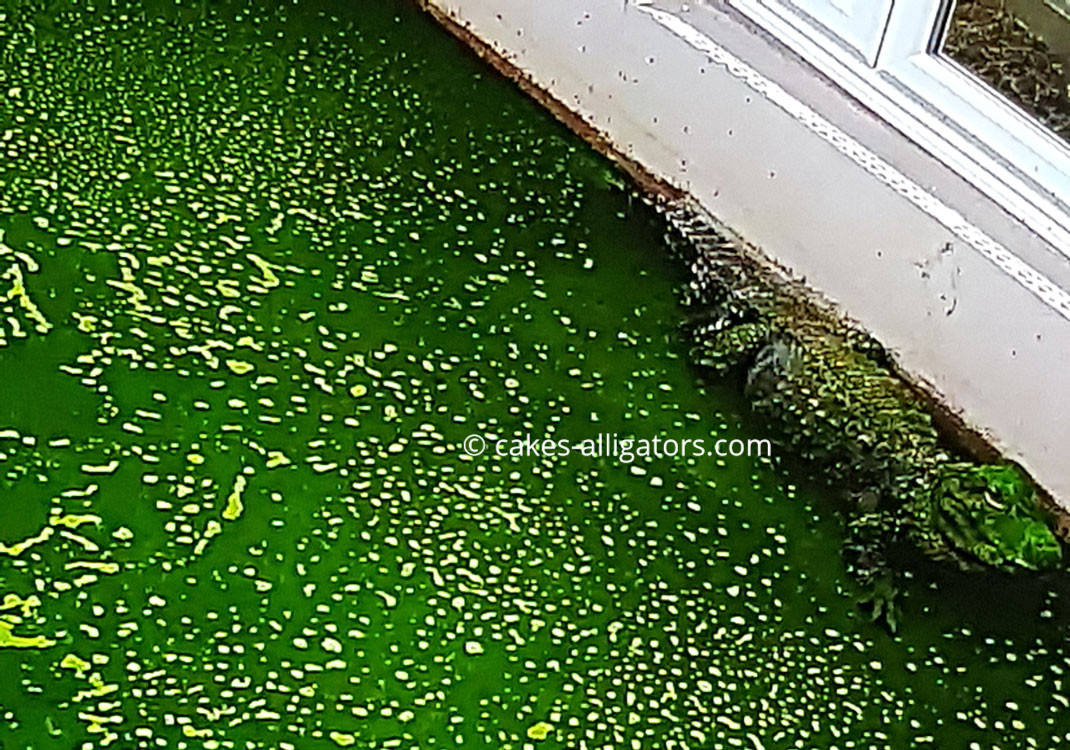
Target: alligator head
[[989, 512]]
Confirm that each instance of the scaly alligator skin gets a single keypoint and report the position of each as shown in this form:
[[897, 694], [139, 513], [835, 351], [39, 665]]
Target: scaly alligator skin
[[836, 402]]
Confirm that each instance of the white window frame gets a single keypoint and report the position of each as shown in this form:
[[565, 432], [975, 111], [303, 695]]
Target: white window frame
[[932, 99]]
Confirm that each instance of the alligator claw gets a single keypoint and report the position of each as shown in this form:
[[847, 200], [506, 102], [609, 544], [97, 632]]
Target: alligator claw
[[881, 603]]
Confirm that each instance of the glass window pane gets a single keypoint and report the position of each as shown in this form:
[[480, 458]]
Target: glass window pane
[[1022, 48]]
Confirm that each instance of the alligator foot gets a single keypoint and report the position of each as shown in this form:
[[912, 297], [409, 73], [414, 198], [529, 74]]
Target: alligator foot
[[881, 603]]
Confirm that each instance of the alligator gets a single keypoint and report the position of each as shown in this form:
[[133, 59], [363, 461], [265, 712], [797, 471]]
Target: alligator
[[833, 395]]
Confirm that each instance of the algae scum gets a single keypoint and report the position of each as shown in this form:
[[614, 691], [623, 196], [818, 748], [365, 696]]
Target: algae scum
[[263, 270]]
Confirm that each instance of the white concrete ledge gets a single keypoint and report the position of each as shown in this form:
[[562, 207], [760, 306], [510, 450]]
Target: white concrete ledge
[[974, 305]]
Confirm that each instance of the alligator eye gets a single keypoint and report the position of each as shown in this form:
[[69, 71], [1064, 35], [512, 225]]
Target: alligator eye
[[993, 502]]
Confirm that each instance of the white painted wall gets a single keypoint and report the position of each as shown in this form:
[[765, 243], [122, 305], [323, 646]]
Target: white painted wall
[[971, 302]]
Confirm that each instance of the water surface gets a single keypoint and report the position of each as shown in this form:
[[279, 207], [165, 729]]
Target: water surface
[[277, 264]]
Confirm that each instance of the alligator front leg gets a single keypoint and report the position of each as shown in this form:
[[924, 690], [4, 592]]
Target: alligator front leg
[[868, 534], [881, 603]]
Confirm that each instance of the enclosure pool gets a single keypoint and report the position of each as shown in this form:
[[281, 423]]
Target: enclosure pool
[[264, 270]]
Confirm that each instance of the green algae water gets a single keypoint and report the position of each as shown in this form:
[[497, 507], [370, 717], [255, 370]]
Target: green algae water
[[263, 270]]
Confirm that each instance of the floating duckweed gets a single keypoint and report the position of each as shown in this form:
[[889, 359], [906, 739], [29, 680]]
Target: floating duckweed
[[276, 458], [71, 661], [342, 739], [74, 520], [238, 367], [101, 567], [539, 731], [19, 547], [108, 468], [234, 505], [18, 293], [25, 605], [98, 689], [10, 640]]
